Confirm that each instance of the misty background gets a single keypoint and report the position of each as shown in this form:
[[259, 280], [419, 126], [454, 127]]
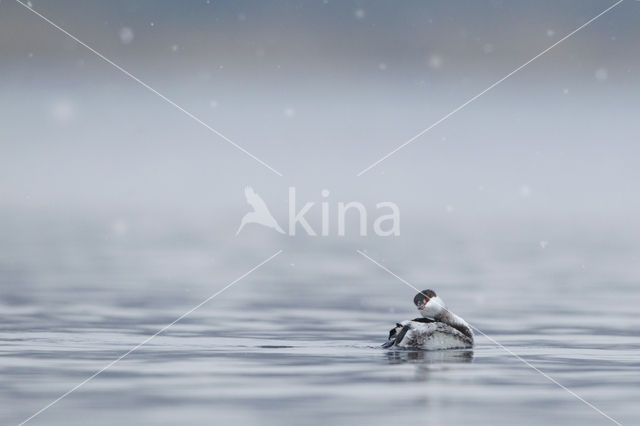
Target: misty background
[[319, 91]]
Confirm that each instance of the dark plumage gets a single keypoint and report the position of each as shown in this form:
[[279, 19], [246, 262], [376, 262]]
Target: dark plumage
[[421, 297]]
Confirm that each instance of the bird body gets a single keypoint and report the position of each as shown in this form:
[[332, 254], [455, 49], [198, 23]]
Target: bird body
[[438, 328], [432, 335]]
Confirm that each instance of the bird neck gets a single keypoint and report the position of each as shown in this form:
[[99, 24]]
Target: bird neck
[[456, 322]]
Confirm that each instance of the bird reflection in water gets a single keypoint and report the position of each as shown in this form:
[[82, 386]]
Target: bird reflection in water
[[402, 356]]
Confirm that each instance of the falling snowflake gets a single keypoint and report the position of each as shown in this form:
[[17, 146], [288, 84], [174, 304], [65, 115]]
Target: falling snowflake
[[289, 112], [602, 74], [435, 61], [487, 48], [544, 244], [120, 228], [213, 104], [126, 35], [174, 48], [63, 111], [359, 13], [382, 66], [550, 33], [525, 191]]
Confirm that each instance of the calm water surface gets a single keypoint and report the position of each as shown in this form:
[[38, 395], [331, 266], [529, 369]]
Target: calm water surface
[[297, 342]]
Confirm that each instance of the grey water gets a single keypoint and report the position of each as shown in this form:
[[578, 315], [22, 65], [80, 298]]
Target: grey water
[[118, 212], [298, 340]]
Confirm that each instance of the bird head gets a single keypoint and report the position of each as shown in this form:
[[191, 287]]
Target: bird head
[[429, 304]]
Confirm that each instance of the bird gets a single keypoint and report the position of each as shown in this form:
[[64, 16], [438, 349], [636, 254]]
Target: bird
[[438, 328], [260, 213]]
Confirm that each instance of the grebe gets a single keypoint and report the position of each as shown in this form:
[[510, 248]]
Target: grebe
[[438, 328]]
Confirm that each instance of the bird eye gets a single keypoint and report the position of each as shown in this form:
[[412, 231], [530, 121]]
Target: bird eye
[[420, 299]]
